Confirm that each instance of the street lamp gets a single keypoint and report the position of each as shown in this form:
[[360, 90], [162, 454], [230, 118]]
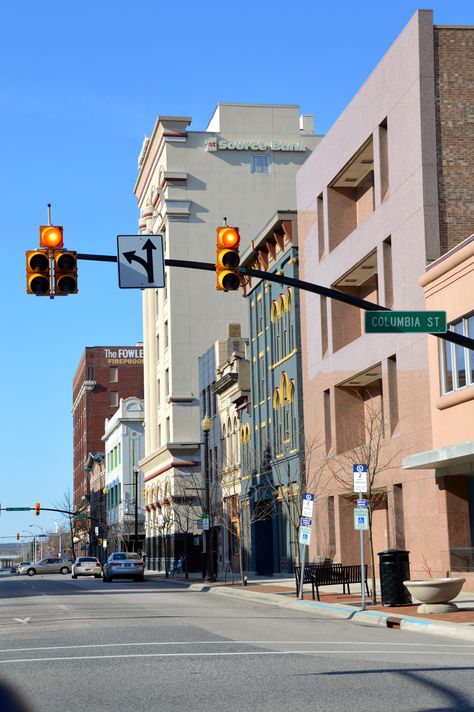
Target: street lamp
[[32, 544], [59, 533], [206, 425], [42, 535], [105, 492]]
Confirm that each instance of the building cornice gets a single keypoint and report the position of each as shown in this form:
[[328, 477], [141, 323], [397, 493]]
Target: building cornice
[[86, 386]]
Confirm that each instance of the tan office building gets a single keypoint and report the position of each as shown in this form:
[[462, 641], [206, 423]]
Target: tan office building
[[241, 167]]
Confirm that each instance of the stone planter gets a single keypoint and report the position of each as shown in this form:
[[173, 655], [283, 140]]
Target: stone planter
[[435, 594]]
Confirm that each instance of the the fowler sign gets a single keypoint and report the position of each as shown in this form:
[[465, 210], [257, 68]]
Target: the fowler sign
[[390, 322]]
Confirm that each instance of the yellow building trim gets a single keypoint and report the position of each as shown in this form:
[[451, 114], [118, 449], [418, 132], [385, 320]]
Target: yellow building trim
[[285, 358]]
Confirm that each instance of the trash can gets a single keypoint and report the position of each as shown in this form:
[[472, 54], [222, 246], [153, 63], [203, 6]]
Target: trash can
[[394, 570]]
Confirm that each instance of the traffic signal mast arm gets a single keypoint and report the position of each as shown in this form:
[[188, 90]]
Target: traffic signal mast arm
[[451, 336]]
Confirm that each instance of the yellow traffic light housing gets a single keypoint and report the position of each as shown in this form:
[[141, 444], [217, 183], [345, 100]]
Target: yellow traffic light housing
[[17, 536], [51, 236], [227, 258], [37, 509], [65, 273], [38, 273]]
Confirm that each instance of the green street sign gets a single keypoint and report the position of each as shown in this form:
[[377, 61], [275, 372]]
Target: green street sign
[[392, 322], [17, 509], [40, 535], [80, 515]]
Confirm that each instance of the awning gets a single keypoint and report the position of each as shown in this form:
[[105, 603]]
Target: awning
[[453, 459]]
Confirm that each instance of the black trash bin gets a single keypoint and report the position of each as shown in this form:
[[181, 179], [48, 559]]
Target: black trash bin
[[394, 570]]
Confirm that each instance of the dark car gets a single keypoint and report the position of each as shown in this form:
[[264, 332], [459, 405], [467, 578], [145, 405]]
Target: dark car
[[124, 564]]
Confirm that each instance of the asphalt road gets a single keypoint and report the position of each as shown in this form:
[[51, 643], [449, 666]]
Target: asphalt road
[[87, 646]]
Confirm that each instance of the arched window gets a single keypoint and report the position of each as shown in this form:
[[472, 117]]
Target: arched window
[[230, 449], [277, 424], [235, 437], [224, 446], [274, 317], [290, 326], [281, 327]]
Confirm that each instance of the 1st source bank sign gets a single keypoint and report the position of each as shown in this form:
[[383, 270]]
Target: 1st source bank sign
[[214, 144]]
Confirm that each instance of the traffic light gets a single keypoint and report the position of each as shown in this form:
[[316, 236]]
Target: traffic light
[[17, 536], [51, 237], [227, 258], [38, 274], [65, 273], [37, 509]]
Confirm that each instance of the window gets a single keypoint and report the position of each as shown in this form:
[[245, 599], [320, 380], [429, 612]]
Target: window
[[457, 362], [113, 399], [350, 196], [260, 164], [158, 393], [157, 347], [113, 374], [166, 334], [167, 382], [260, 316], [90, 373]]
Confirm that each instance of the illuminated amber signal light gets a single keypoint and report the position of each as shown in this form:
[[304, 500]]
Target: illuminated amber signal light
[[51, 236], [37, 509], [227, 258], [228, 237], [38, 273]]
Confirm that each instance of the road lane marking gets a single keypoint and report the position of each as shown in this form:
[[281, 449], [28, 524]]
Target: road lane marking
[[260, 653], [142, 644], [22, 620]]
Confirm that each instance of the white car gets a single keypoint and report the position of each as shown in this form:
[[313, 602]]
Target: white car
[[87, 566]]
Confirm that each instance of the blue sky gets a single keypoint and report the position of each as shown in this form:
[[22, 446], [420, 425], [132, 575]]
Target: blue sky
[[81, 84]]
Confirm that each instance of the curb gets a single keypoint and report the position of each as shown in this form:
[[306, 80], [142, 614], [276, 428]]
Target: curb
[[461, 631]]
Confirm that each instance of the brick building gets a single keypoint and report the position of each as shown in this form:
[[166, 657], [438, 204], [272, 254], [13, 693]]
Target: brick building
[[105, 374]]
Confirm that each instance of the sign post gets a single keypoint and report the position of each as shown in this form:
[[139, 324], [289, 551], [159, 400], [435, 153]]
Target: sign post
[[361, 520], [305, 534]]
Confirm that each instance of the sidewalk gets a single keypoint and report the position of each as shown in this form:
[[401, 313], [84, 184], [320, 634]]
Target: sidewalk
[[334, 603]]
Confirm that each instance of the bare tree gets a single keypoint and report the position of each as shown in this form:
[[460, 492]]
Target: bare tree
[[290, 491], [368, 447], [77, 527]]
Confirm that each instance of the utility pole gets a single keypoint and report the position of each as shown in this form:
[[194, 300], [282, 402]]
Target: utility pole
[[135, 478]]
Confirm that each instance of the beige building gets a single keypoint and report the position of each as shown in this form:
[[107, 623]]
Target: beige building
[[384, 194], [232, 391], [242, 167], [448, 285]]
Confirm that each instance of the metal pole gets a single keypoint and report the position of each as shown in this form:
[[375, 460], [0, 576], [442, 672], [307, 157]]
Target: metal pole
[[302, 562], [362, 569], [135, 475], [207, 504]]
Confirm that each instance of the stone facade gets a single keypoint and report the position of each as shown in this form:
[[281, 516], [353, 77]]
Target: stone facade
[[371, 217]]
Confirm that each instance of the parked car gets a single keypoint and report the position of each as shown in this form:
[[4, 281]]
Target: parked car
[[86, 566], [52, 565], [124, 564], [22, 563]]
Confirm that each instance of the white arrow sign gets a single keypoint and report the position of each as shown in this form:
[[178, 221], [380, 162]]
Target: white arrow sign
[[140, 261]]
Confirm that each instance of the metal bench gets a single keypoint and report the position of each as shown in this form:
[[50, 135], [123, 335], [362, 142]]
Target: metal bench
[[329, 575]]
